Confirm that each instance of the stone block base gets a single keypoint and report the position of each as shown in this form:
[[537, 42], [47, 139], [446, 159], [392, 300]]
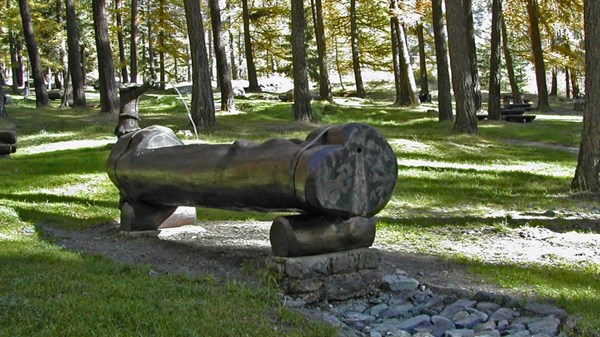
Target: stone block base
[[333, 277]]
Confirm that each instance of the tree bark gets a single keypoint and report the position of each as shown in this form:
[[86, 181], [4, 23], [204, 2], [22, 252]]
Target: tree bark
[[587, 173], [395, 58], [150, 37], [109, 96], [462, 69], [494, 89], [252, 77], [3, 113], [554, 82], [538, 55], [41, 94], [423, 80], [301, 107], [324, 83], [574, 85], [62, 49], [468, 8], [133, 64], [234, 68], [161, 45], [75, 66], [223, 69], [121, 41], [360, 88], [14, 62], [510, 69], [567, 82], [409, 95], [441, 53], [203, 106]]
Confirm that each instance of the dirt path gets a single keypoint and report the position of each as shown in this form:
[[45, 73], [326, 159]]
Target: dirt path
[[228, 250]]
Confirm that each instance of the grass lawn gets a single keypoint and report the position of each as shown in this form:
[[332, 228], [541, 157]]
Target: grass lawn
[[58, 178]]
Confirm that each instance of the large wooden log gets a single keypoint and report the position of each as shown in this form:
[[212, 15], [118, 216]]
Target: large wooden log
[[343, 170]]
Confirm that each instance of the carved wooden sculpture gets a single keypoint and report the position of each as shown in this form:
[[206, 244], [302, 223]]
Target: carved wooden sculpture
[[339, 177]]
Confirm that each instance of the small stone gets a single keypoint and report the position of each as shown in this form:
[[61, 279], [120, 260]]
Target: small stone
[[482, 315], [397, 283], [360, 326], [439, 328], [460, 333], [541, 334], [549, 325], [399, 333], [439, 319], [376, 310], [504, 314], [537, 309], [485, 326], [465, 303], [423, 334], [469, 322], [490, 333], [451, 310], [488, 307], [523, 333], [375, 334], [460, 316], [397, 311], [352, 317], [356, 306], [502, 325], [411, 324]]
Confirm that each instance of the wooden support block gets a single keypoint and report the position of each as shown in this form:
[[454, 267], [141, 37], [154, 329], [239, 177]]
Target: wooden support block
[[302, 235]]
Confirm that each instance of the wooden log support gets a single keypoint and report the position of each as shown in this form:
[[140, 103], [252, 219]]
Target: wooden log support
[[307, 234]]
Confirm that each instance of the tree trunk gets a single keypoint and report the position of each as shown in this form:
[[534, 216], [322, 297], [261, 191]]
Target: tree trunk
[[441, 54], [423, 80], [133, 64], [3, 113], [538, 55], [395, 57], [14, 62], [324, 84], [510, 69], [223, 69], [41, 94], [408, 86], [121, 41], [567, 82], [588, 164], [360, 88], [150, 37], [75, 66], [301, 107], [462, 69], [234, 67], [161, 44], [252, 78], [574, 85], [554, 85], [67, 92], [494, 89], [62, 49], [109, 96], [203, 106], [468, 8]]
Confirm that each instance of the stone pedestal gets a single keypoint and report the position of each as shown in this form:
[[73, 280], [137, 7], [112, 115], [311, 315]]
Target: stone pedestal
[[335, 276]]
